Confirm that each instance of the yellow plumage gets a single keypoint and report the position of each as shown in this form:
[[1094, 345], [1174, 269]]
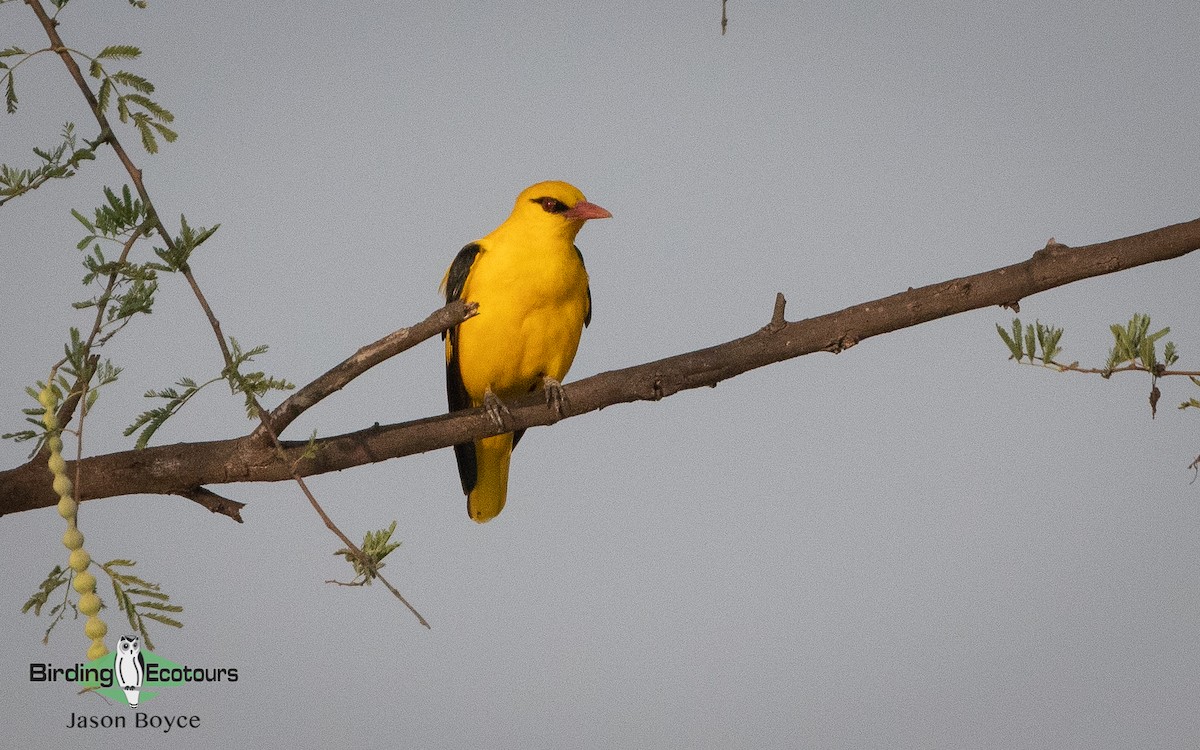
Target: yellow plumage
[[532, 289]]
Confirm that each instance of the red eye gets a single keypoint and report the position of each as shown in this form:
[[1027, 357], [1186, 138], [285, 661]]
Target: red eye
[[552, 205]]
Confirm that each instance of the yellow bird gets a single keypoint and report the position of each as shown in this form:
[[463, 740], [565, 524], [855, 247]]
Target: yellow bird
[[532, 289]]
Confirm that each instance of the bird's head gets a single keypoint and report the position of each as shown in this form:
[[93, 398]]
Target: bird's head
[[556, 206]]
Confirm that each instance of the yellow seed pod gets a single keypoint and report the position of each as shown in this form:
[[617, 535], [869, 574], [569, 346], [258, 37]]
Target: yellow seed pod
[[46, 398], [97, 649], [57, 464], [55, 444], [79, 560], [62, 485], [85, 582], [66, 506], [73, 539], [95, 628], [89, 604], [49, 419]]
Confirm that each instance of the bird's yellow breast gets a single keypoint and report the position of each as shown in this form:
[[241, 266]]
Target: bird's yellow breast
[[532, 293]]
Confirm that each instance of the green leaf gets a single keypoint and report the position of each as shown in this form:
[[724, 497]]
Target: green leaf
[[56, 578], [151, 106], [84, 221], [168, 135], [161, 618], [1018, 335], [1170, 355], [139, 599], [141, 120], [1154, 337], [375, 547], [1120, 336], [1013, 346], [149, 421], [10, 95], [1047, 338], [1146, 353], [119, 52], [133, 81], [105, 94]]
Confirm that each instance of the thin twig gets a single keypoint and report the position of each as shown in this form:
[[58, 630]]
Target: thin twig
[[135, 174], [362, 360], [91, 367], [1053, 365], [265, 418], [67, 410]]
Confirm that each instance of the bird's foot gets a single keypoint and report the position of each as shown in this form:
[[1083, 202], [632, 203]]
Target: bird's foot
[[555, 398], [496, 409]]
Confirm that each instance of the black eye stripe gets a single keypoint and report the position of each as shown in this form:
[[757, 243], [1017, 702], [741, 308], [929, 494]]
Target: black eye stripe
[[551, 205]]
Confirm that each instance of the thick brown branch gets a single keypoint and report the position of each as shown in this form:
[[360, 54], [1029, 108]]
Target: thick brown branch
[[176, 469]]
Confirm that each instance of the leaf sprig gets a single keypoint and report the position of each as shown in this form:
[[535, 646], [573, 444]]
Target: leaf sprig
[[376, 546], [57, 578], [138, 598], [58, 162], [150, 420], [248, 384], [1135, 349], [1024, 343], [132, 93], [252, 385]]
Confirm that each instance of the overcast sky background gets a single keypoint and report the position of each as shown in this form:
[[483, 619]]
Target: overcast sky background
[[913, 544]]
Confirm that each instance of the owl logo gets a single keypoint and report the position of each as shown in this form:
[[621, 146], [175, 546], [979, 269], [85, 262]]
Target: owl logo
[[130, 667]]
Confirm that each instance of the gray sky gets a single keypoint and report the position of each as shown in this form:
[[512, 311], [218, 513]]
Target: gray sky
[[914, 544]]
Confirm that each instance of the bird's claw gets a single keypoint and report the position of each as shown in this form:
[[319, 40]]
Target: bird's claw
[[555, 398], [496, 409]]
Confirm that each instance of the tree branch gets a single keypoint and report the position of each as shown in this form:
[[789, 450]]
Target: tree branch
[[361, 361], [180, 469], [215, 503]]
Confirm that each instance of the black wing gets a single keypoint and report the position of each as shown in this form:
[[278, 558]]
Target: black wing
[[456, 392]]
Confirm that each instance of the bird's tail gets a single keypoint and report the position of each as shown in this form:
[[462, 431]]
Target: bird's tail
[[491, 485]]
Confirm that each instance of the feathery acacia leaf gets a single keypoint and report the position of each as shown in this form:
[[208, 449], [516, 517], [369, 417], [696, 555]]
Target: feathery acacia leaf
[[1013, 345], [119, 52], [105, 94], [142, 121], [127, 587], [375, 547], [133, 81]]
